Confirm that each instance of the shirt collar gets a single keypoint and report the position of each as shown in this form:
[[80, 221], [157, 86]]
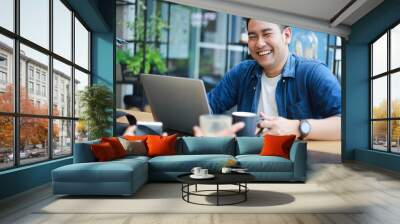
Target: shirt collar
[[288, 70], [289, 67]]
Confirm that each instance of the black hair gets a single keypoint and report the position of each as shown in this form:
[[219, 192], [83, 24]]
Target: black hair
[[282, 27]]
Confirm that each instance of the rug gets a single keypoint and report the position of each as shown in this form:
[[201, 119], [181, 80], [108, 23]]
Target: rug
[[166, 198]]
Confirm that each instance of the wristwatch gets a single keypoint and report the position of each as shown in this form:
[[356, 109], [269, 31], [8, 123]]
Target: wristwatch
[[304, 128]]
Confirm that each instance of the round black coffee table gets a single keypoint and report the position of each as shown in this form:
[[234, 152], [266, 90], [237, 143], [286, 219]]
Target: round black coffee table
[[238, 179]]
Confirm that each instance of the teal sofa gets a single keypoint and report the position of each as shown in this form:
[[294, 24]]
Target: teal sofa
[[125, 176]]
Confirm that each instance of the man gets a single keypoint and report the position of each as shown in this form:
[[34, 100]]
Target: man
[[291, 94]]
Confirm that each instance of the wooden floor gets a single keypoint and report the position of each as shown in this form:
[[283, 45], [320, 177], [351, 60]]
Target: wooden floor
[[378, 189]]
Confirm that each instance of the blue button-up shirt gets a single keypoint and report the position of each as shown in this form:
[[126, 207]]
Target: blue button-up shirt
[[307, 89]]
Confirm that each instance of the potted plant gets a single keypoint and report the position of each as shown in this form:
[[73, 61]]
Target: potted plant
[[153, 59], [96, 103]]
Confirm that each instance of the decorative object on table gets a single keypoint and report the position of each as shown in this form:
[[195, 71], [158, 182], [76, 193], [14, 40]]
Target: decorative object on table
[[96, 103], [232, 163], [236, 170], [226, 170], [250, 121], [229, 165]]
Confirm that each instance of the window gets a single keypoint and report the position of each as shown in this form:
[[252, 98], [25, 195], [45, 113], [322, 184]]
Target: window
[[6, 143], [3, 72], [30, 87], [52, 125], [385, 97], [37, 75], [7, 14], [3, 78], [38, 89], [81, 81], [30, 72], [62, 29], [35, 22], [3, 61], [62, 74], [81, 45], [44, 91]]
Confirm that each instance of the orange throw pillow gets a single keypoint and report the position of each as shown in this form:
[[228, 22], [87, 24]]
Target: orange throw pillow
[[103, 152], [116, 145], [277, 145], [161, 145], [136, 138]]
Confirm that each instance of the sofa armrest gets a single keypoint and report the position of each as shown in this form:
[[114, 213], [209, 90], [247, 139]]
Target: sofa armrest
[[298, 155], [83, 152]]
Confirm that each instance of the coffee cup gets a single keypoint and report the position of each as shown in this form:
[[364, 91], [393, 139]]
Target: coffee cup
[[203, 172], [226, 170], [196, 171], [249, 120]]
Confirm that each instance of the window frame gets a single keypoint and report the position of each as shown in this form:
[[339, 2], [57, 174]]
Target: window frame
[[16, 114], [388, 74]]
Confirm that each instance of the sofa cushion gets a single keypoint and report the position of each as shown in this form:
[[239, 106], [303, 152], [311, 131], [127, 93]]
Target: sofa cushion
[[206, 145], [103, 152], [131, 158], [161, 145], [257, 163], [112, 171], [137, 147], [83, 152], [116, 145], [249, 145], [185, 163], [277, 145], [135, 137]]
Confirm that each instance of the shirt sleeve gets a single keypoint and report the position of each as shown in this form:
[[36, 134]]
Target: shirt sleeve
[[224, 96], [325, 92]]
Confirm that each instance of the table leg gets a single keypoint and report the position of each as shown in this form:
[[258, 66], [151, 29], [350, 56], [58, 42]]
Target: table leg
[[196, 188], [245, 191], [217, 194]]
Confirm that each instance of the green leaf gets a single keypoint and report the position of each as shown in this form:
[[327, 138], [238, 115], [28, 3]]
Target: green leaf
[[96, 102], [155, 25]]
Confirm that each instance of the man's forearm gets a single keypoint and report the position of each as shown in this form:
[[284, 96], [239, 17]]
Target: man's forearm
[[325, 129]]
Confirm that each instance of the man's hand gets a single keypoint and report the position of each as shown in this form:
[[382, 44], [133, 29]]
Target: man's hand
[[230, 132], [278, 126]]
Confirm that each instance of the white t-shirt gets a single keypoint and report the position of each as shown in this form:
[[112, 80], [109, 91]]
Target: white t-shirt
[[267, 103]]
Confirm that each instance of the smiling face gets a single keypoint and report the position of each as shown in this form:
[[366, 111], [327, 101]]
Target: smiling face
[[268, 45]]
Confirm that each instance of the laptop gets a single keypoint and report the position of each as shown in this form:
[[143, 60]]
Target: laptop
[[176, 102]]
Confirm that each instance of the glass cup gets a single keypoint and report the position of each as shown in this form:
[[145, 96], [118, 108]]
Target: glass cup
[[214, 125]]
